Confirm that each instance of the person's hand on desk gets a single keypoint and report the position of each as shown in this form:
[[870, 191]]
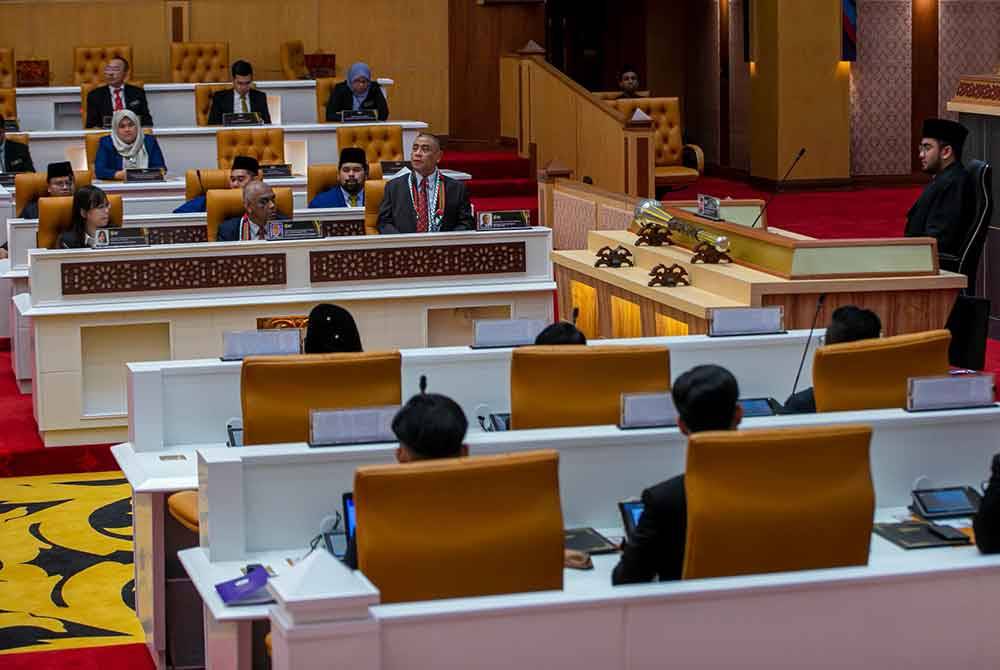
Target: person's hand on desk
[[120, 175], [577, 560]]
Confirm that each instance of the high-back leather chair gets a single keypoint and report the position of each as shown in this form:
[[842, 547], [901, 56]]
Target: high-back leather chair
[[324, 89], [199, 182], [675, 163], [87, 87], [91, 142], [199, 62], [7, 72], [381, 143], [88, 62], [203, 100], [277, 392], [8, 103], [55, 214], [580, 385], [31, 185], [873, 374], [225, 203], [267, 145], [966, 262], [777, 500], [293, 60], [374, 191], [324, 176], [614, 95], [485, 525]]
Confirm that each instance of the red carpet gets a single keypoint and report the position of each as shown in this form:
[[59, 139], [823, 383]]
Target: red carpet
[[118, 657], [501, 180]]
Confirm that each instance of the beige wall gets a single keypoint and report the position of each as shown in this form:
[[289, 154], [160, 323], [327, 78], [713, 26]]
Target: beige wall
[[407, 41]]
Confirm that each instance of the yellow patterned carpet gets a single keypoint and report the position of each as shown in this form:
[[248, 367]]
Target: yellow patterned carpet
[[66, 573]]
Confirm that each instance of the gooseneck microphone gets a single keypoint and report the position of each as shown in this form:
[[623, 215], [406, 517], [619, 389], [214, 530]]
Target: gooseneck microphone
[[576, 314], [819, 308], [777, 189]]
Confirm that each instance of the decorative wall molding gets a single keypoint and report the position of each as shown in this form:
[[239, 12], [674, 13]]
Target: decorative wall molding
[[422, 261]]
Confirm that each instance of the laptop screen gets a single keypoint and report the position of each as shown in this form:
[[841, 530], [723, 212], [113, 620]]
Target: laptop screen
[[349, 515]]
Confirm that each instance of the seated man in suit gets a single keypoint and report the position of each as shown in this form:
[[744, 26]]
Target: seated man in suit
[[259, 210], [116, 95], [245, 169], [59, 179], [706, 399], [848, 324], [14, 156], [350, 192], [242, 98], [424, 200]]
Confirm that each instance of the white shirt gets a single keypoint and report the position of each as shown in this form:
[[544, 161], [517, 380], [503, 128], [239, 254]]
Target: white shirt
[[360, 196]]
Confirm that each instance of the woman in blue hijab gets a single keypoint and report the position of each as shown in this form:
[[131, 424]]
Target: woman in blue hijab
[[360, 92]]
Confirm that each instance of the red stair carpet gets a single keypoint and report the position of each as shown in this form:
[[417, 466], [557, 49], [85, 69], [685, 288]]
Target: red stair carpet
[[501, 180], [116, 657]]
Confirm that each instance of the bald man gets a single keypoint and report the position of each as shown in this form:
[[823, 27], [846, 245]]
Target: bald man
[[259, 209]]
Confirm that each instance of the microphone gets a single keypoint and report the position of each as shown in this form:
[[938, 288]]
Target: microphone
[[423, 384], [777, 189], [576, 314], [819, 308], [201, 185]]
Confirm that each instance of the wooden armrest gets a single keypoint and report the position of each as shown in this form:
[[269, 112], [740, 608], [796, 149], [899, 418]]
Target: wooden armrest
[[692, 156]]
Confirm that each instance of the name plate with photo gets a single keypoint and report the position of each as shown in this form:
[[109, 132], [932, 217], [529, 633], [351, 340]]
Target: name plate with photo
[[709, 207], [276, 170], [7, 179], [121, 237], [144, 174], [11, 125], [358, 115], [367, 425], [503, 220], [392, 168], [294, 230], [241, 119]]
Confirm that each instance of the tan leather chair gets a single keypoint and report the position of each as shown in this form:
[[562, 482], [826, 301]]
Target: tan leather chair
[[381, 143], [91, 142], [199, 62], [88, 62], [183, 506], [267, 145], [8, 103], [873, 374], [675, 163], [31, 185], [485, 525], [203, 100], [777, 500], [374, 191], [293, 60], [198, 182], [324, 89], [541, 376], [277, 392], [86, 88], [322, 177], [614, 95], [55, 214], [8, 78], [225, 203]]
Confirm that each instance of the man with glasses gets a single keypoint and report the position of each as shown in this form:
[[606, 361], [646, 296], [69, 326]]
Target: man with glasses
[[116, 95], [59, 180], [260, 209]]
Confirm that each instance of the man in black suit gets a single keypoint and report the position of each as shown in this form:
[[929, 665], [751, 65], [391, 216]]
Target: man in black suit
[[60, 180], [706, 399], [424, 200], [241, 98], [260, 208], [14, 156], [104, 101]]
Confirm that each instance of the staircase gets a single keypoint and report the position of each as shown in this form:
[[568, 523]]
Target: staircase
[[501, 180]]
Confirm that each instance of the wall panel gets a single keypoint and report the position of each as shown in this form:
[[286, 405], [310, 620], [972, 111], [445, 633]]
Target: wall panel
[[969, 33]]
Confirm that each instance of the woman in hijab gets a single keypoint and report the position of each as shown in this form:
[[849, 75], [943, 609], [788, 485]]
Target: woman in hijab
[[126, 147], [359, 92], [331, 330]]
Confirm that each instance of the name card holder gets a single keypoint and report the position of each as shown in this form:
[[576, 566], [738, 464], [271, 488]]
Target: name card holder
[[496, 333], [238, 344], [11, 125], [230, 119], [647, 410], [924, 394], [341, 427], [503, 220], [144, 174], [358, 116], [294, 230], [733, 321], [709, 207], [121, 237], [392, 168], [276, 170], [7, 179]]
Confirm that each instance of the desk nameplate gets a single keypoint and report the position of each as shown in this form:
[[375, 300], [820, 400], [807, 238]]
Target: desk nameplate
[[417, 261]]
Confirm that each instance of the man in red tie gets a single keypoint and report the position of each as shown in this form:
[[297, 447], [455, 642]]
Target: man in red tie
[[424, 200], [105, 100]]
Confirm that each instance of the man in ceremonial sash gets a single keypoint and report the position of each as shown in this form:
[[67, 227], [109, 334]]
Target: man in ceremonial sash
[[260, 208]]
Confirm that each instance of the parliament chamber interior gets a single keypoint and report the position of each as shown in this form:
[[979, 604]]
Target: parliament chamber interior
[[499, 334]]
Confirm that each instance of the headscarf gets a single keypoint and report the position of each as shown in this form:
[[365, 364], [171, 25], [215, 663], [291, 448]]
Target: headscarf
[[356, 70], [331, 330], [133, 155]]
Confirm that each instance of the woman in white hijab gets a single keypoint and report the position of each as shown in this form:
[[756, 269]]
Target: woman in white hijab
[[126, 147]]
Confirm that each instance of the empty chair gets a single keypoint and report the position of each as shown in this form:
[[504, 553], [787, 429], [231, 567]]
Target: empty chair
[[7, 73], [267, 145], [293, 60], [374, 192], [199, 62]]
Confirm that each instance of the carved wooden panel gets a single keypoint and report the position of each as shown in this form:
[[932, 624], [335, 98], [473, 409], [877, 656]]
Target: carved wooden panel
[[177, 234], [343, 228], [405, 262]]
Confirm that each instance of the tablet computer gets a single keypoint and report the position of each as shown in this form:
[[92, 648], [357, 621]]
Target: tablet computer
[[946, 503], [350, 517], [759, 406], [631, 511]]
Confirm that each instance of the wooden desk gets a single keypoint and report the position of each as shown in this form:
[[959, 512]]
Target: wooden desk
[[95, 310]]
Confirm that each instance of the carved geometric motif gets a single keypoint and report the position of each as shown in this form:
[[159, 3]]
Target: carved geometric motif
[[177, 234], [406, 262], [172, 274], [343, 228]]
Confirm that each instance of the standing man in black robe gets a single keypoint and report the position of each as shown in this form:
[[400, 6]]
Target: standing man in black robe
[[946, 208]]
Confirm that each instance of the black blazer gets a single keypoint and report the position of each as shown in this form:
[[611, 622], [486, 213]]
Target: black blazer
[[69, 240], [397, 215], [229, 230], [17, 158], [986, 523], [99, 105], [342, 100], [657, 550], [945, 209], [222, 103]]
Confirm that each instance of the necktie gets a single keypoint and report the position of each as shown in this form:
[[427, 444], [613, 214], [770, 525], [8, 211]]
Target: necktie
[[119, 104], [354, 199], [422, 206], [243, 103]]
